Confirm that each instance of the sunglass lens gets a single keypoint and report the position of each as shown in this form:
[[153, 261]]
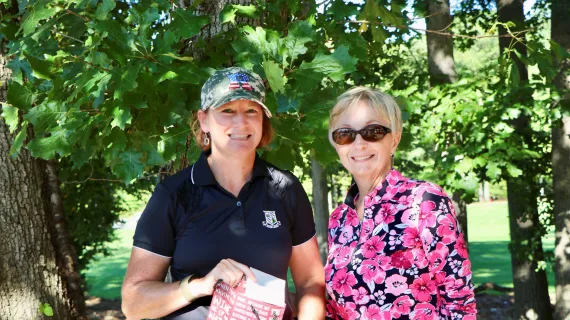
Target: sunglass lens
[[373, 133], [343, 136]]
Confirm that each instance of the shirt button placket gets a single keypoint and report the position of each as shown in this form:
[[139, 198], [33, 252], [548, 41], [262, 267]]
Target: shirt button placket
[[240, 216]]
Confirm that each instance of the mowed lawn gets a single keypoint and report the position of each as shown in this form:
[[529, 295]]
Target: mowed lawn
[[488, 229], [488, 240]]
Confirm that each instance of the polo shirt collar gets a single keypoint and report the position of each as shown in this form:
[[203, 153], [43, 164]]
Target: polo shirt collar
[[201, 173], [392, 178]]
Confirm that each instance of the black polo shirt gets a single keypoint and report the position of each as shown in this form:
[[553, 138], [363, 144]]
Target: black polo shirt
[[258, 228]]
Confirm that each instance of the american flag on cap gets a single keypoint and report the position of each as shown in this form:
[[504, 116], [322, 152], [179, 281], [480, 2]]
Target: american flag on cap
[[239, 80]]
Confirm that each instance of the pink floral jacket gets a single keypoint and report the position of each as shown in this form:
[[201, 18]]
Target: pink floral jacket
[[406, 259]]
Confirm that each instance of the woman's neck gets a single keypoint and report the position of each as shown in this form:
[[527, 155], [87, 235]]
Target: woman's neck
[[231, 172], [366, 184]]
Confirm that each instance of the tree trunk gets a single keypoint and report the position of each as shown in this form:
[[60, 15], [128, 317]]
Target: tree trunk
[[461, 211], [320, 205], [213, 8], [65, 252], [530, 286], [560, 164], [441, 67], [30, 271]]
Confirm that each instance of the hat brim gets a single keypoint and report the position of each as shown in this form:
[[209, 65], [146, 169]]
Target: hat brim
[[242, 96]]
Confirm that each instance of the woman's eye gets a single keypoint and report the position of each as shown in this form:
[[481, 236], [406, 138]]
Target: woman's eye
[[227, 111], [251, 111]]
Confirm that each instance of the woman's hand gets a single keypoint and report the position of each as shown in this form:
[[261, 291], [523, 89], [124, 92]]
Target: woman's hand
[[227, 270]]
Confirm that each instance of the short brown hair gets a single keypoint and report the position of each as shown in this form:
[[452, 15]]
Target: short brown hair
[[266, 136]]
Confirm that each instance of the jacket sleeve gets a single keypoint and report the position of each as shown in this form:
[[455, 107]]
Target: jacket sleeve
[[447, 254]]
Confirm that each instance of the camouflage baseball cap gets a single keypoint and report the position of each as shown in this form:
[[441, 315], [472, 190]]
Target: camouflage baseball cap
[[232, 84]]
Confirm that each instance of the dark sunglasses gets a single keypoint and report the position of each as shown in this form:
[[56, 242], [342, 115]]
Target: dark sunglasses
[[370, 133]]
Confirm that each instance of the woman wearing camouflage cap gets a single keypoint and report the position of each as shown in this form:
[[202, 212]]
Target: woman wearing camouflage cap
[[227, 212]]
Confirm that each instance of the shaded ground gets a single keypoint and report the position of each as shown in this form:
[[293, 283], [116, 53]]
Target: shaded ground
[[489, 307]]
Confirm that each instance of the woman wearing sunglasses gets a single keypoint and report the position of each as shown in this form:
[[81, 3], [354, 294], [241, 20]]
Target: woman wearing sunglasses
[[395, 248]]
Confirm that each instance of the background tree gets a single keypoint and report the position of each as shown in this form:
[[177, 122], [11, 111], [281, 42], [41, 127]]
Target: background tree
[[38, 272], [560, 34], [530, 285], [441, 67]]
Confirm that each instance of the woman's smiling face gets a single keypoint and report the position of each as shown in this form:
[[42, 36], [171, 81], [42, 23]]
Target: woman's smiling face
[[363, 159], [235, 127]]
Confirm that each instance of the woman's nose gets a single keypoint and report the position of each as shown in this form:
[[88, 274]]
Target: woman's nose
[[359, 142], [240, 118]]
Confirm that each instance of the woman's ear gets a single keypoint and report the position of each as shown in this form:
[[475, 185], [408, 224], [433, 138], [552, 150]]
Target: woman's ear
[[203, 118], [396, 141]]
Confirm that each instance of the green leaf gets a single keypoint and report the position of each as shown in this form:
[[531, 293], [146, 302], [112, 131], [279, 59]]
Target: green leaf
[[185, 24], [373, 14], [513, 171], [116, 37], [173, 142], [274, 75], [286, 103], [10, 115], [19, 140], [282, 157], [46, 115], [559, 52], [128, 81], [46, 148], [121, 117], [128, 166], [493, 170], [104, 8], [341, 9], [20, 96], [300, 33], [39, 11], [228, 14], [248, 11], [46, 309], [335, 65], [151, 154], [99, 59], [41, 68], [514, 76], [172, 55]]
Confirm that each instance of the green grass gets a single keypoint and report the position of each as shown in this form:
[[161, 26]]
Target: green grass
[[105, 275], [488, 244], [488, 229]]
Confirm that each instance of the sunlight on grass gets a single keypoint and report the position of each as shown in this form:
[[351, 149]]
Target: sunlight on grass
[[488, 231], [105, 276]]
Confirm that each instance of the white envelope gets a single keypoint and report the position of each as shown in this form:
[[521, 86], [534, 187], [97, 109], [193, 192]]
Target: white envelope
[[268, 288]]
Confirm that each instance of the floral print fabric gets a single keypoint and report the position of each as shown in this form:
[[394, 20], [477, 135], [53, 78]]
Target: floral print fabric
[[406, 259]]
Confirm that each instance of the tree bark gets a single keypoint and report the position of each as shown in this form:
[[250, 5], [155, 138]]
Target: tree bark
[[320, 205], [441, 65], [213, 8], [65, 252], [441, 68], [560, 32], [530, 286], [30, 271]]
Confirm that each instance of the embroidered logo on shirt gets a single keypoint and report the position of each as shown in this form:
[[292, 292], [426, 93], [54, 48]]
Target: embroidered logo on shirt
[[271, 220]]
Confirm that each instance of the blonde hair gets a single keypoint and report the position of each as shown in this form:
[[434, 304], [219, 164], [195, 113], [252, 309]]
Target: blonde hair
[[266, 135], [383, 103]]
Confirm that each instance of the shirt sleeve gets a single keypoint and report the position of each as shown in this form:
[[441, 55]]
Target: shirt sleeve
[[155, 228], [303, 227], [447, 254]]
